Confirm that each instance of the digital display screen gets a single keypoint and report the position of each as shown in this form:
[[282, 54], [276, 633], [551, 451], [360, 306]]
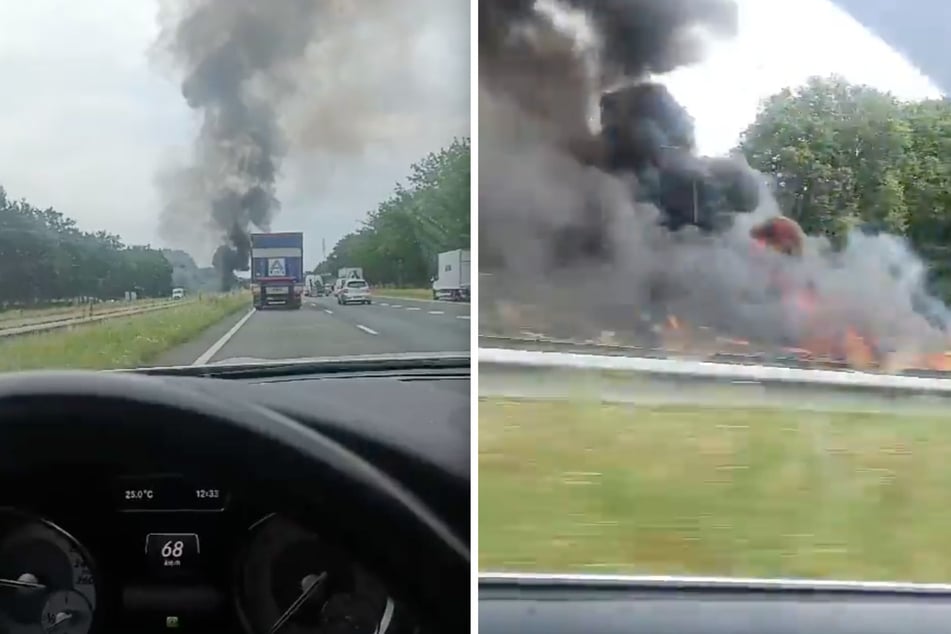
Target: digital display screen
[[172, 554], [168, 493]]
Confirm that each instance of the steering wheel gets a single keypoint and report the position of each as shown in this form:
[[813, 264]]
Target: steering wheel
[[95, 420]]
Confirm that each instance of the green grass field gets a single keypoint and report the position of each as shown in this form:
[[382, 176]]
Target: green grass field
[[409, 293], [707, 491], [123, 342]]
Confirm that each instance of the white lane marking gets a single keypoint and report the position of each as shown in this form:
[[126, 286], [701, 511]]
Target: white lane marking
[[328, 311], [437, 312], [384, 304], [462, 316], [369, 331], [413, 308], [218, 345], [396, 306]]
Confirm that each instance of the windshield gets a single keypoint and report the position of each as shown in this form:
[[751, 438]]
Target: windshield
[[356, 284], [713, 308], [238, 161]]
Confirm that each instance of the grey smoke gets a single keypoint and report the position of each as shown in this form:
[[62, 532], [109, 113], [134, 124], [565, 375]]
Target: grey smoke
[[233, 55], [301, 84], [585, 217]]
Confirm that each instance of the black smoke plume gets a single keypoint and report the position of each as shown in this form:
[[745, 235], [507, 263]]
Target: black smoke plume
[[234, 55], [595, 207]]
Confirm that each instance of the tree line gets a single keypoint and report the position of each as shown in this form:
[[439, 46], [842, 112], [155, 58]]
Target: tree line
[[848, 157], [45, 258], [398, 241]]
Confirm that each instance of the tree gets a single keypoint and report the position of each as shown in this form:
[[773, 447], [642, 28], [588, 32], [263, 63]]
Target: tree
[[836, 151], [399, 240], [44, 257], [844, 155]]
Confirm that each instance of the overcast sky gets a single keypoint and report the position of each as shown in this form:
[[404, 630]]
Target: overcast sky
[[89, 118]]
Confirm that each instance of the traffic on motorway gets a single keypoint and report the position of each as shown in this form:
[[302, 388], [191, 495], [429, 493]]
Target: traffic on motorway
[[324, 328]]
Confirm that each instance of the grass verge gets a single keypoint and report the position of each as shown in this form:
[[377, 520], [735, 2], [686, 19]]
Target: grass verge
[[409, 293], [18, 317], [123, 342], [713, 491]]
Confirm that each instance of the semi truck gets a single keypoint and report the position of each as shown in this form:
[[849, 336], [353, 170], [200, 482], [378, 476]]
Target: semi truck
[[452, 278], [277, 269], [350, 272]]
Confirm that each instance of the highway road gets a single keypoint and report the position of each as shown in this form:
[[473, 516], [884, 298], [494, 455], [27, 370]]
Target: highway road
[[323, 328]]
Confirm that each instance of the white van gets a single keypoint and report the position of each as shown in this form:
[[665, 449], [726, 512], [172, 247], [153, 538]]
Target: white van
[[338, 286], [178, 293]]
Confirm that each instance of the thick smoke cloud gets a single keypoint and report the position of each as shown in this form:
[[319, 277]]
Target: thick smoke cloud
[[291, 92], [595, 206], [234, 55]]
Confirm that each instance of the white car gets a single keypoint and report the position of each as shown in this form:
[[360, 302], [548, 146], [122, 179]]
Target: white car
[[178, 293], [354, 291]]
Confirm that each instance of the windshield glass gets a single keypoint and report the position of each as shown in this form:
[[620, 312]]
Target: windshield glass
[[236, 157], [743, 232], [356, 284]]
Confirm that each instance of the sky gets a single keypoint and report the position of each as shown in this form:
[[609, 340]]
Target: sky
[[89, 118], [782, 43], [91, 115]]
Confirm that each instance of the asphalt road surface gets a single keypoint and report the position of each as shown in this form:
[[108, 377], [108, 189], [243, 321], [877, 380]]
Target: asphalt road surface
[[322, 328]]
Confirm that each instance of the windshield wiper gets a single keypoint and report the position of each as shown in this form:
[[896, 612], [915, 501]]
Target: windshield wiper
[[259, 369]]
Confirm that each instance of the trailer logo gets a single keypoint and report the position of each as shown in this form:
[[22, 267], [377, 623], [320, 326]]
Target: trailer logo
[[275, 267]]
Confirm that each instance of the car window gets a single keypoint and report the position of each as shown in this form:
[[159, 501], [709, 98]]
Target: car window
[[356, 284], [756, 384], [249, 157]]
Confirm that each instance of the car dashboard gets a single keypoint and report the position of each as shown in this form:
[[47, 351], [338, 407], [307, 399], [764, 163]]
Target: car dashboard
[[166, 552], [107, 550]]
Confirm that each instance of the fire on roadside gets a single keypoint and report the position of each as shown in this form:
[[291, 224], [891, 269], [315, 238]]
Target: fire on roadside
[[820, 344]]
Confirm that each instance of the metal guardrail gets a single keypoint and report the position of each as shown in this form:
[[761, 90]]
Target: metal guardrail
[[638, 373], [786, 358], [48, 325]]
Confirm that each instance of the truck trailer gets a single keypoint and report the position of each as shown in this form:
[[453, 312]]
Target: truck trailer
[[277, 269], [452, 279], [350, 272]]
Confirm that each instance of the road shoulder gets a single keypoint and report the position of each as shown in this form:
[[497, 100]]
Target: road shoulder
[[187, 353]]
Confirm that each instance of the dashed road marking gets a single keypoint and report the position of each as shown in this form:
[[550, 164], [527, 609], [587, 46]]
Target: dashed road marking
[[328, 311], [384, 304], [369, 331], [462, 316], [437, 312], [413, 308], [396, 306]]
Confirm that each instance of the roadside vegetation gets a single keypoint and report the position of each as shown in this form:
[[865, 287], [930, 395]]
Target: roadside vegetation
[[20, 317], [123, 342], [409, 293], [399, 240], [846, 156], [46, 258], [597, 488]]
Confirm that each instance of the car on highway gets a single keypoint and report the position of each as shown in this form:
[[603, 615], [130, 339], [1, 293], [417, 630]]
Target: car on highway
[[354, 291], [359, 523]]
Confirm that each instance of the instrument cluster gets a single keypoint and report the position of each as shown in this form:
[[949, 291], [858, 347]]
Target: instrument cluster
[[171, 554]]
